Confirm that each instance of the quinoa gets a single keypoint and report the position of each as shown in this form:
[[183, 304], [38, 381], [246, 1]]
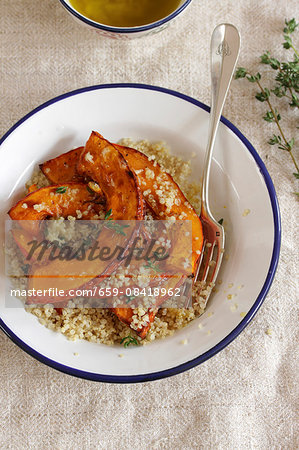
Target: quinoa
[[102, 325], [37, 178]]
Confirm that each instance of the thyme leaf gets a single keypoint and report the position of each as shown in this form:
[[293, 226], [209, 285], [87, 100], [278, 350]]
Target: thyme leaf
[[108, 214], [130, 298], [61, 190], [117, 227], [151, 265]]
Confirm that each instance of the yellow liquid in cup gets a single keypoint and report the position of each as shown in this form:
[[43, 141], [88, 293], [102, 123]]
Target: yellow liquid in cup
[[125, 13]]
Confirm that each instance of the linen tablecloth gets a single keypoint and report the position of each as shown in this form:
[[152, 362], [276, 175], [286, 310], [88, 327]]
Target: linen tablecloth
[[245, 396]]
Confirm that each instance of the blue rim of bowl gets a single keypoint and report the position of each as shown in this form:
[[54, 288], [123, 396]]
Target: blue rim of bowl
[[251, 313], [124, 30]]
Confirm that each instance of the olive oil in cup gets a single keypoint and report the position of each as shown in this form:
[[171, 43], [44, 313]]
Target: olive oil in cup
[[125, 13]]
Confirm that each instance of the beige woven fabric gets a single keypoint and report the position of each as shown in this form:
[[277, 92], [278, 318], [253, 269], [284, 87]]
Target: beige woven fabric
[[244, 397]]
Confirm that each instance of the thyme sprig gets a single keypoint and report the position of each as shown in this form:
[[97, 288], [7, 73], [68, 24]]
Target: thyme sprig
[[128, 340], [287, 85], [117, 227]]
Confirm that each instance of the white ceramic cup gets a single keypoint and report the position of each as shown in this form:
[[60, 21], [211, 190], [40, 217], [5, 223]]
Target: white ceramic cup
[[126, 33]]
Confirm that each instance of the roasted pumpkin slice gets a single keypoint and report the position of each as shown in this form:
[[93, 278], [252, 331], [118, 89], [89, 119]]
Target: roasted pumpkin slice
[[84, 274], [76, 273], [166, 200], [102, 162], [62, 169], [71, 275], [164, 196], [125, 315], [60, 200]]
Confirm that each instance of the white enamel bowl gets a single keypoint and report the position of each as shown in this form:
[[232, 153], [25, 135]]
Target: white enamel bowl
[[241, 192], [125, 33]]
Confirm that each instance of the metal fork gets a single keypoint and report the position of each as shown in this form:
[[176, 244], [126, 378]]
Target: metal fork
[[225, 45]]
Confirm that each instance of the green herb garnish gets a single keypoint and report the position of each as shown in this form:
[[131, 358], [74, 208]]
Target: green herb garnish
[[108, 215], [286, 85], [117, 227], [151, 265], [128, 340], [130, 298], [61, 190]]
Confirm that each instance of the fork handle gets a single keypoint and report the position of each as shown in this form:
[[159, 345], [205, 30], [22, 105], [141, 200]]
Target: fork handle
[[225, 46]]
